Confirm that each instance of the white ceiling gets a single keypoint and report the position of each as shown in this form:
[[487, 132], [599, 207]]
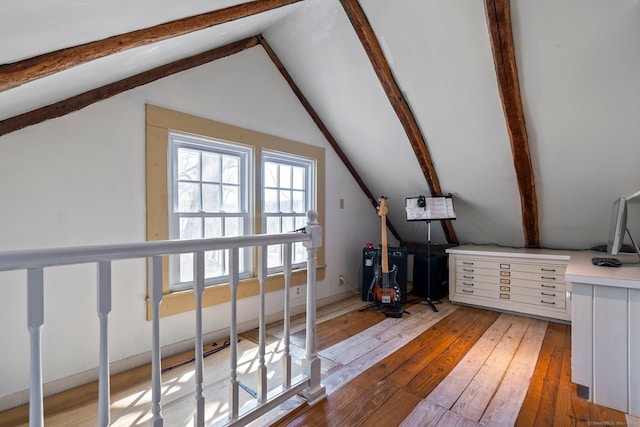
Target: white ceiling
[[578, 62]]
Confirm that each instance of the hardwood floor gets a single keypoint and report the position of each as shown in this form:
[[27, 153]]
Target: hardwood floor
[[460, 366]]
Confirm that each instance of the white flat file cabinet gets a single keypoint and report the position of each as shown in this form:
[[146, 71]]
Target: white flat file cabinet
[[525, 281]]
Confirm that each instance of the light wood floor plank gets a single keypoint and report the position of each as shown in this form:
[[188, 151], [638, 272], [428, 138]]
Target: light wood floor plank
[[426, 413], [505, 405], [473, 401], [451, 419], [451, 388]]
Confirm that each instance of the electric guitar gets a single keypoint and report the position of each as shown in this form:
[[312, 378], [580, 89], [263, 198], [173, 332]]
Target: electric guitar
[[385, 289]]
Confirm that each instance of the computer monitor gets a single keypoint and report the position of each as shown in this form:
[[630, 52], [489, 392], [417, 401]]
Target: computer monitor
[[618, 226]]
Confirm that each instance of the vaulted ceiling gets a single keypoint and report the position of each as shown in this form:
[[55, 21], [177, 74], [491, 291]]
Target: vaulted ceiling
[[526, 111]]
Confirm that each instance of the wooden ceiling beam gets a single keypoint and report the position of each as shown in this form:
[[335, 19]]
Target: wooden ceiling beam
[[498, 13], [18, 73], [327, 134], [396, 98], [85, 99]]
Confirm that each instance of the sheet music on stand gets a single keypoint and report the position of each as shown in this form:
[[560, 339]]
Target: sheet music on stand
[[434, 208]]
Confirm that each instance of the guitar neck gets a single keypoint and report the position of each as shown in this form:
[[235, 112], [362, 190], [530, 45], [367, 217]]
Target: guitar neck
[[385, 255]]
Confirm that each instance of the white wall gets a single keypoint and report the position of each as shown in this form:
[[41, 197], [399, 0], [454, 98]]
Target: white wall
[[80, 179]]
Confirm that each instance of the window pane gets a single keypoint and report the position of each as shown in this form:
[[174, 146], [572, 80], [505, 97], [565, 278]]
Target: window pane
[[274, 256], [188, 164], [270, 201], [285, 176], [285, 201], [186, 267], [190, 228], [233, 226], [298, 178], [273, 225], [298, 201], [211, 197], [230, 198], [299, 253], [230, 170], [188, 197], [214, 264], [270, 174], [210, 166], [287, 224], [212, 227]]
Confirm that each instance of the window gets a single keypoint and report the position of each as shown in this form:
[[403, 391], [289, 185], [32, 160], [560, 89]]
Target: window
[[287, 196], [210, 194], [215, 171]]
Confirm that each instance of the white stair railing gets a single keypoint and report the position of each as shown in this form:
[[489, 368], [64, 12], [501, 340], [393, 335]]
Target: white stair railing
[[307, 384]]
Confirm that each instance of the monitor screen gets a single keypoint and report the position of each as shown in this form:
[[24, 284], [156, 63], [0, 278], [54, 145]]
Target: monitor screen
[[618, 226]]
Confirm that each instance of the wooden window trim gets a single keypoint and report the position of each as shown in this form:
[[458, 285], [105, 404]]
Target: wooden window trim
[[159, 121]]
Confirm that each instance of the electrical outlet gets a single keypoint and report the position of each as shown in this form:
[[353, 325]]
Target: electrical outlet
[[341, 280], [297, 292]]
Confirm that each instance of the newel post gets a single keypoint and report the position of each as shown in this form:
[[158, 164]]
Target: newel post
[[311, 362]]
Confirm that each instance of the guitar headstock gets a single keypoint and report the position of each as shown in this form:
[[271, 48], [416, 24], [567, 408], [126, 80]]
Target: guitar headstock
[[382, 206]]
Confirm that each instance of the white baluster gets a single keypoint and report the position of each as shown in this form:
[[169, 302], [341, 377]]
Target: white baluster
[[198, 289], [311, 363], [35, 320], [286, 357], [262, 368], [104, 308], [234, 396], [156, 363]]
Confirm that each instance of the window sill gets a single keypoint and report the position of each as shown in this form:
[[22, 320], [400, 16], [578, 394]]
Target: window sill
[[184, 301]]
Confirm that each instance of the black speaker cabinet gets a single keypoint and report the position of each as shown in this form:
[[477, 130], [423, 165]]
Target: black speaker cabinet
[[439, 281], [371, 257]]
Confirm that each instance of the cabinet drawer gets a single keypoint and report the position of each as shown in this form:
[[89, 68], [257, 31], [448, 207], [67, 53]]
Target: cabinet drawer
[[471, 272], [533, 292], [556, 302], [550, 285], [541, 301], [510, 265]]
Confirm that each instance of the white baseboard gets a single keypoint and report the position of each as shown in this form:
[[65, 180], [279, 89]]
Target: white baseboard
[[57, 386]]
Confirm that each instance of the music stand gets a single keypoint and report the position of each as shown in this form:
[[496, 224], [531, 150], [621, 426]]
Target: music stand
[[423, 208]]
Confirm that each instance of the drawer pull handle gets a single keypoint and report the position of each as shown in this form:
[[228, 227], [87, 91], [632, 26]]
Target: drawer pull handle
[[547, 295], [468, 270], [553, 270], [547, 278], [547, 302], [467, 277], [468, 291], [548, 286], [467, 284], [467, 263]]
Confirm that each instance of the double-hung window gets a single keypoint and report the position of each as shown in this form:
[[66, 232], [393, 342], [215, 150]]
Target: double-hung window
[[287, 194], [210, 193]]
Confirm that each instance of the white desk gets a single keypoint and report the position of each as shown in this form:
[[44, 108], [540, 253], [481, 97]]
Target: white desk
[[605, 331]]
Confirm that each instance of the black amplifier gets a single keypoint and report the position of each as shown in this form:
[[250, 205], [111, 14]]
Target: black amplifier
[[371, 257]]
